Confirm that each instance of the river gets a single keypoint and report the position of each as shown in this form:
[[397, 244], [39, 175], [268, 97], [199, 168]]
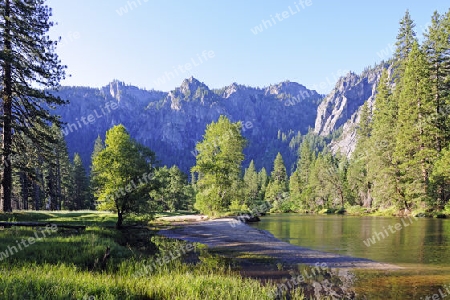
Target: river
[[420, 245]]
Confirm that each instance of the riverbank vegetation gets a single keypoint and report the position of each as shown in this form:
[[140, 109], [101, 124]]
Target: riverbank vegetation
[[399, 166], [101, 262], [401, 162]]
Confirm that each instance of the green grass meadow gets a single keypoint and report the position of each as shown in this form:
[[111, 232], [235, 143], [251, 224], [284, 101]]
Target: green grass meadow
[[68, 263]]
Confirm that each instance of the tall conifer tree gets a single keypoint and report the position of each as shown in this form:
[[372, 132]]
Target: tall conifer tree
[[29, 67], [437, 49], [251, 185], [415, 147], [382, 170]]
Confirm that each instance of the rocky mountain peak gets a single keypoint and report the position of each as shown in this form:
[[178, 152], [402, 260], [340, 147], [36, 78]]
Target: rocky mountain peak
[[233, 88], [191, 85], [291, 93], [341, 109], [279, 88], [172, 123], [115, 87], [349, 94]]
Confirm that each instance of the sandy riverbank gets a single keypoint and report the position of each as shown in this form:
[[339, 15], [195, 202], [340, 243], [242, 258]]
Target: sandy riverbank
[[230, 236]]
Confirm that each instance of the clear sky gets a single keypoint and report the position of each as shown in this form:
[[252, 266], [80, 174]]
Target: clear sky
[[155, 44]]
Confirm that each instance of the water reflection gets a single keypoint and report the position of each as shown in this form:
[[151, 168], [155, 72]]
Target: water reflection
[[420, 245], [392, 240]]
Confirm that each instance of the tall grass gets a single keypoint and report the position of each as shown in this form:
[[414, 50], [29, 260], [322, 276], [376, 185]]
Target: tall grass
[[67, 265], [67, 282]]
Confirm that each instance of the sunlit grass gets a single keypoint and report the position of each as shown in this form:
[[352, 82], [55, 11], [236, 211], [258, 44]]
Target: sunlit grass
[[66, 217], [66, 282], [67, 264]]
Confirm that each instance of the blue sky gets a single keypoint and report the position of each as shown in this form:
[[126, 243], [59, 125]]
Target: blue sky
[[155, 44]]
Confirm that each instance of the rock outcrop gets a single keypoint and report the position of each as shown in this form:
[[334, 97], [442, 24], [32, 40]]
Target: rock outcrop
[[340, 110], [172, 123]]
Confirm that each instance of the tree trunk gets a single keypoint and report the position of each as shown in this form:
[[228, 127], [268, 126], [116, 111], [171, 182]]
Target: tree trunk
[[58, 185], [440, 137], [341, 196], [24, 182], [6, 184], [119, 219], [37, 194]]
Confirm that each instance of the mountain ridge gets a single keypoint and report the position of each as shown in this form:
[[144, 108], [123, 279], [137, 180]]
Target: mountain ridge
[[274, 117], [171, 123]]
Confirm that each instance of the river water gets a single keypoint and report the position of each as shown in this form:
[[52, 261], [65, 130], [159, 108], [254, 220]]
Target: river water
[[420, 245]]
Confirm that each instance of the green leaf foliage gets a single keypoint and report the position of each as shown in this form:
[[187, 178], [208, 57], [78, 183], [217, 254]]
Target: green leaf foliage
[[122, 173], [218, 166]]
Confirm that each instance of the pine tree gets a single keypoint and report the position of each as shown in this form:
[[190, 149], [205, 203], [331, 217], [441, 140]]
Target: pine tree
[[436, 47], [305, 162], [251, 186], [441, 170], [279, 170], [23, 163], [30, 67], [295, 189], [99, 145], [415, 139], [172, 190], [46, 169], [263, 181], [62, 169], [81, 195], [160, 199], [278, 184], [180, 189], [299, 178], [317, 194], [406, 37], [382, 169], [386, 189], [358, 173]]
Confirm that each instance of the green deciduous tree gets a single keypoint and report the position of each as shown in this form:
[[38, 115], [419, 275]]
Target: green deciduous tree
[[218, 166], [122, 173], [29, 67]]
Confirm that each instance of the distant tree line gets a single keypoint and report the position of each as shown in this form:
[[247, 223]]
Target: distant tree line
[[402, 157], [401, 160]]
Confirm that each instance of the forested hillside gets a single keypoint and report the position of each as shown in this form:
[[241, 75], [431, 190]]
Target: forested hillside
[[380, 139], [401, 158]]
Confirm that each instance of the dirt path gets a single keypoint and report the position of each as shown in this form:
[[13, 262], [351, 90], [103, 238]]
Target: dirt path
[[229, 236]]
